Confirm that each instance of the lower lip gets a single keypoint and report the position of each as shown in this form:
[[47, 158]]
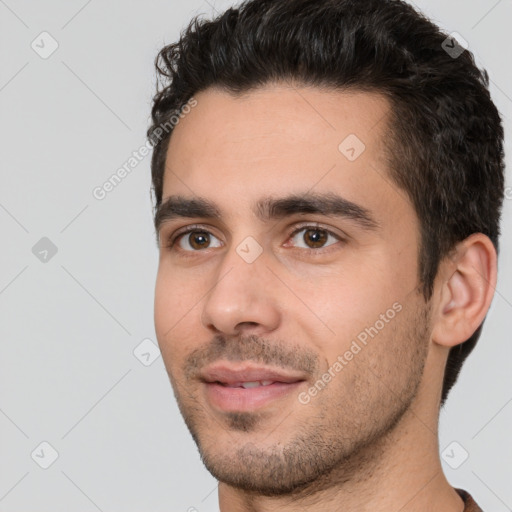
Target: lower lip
[[241, 399]]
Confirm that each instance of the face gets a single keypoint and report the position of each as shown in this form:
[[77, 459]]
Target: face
[[286, 304]]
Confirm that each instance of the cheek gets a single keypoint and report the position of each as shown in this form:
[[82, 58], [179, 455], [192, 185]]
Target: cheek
[[174, 310], [360, 301], [349, 297]]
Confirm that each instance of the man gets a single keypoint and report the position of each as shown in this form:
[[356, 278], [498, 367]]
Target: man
[[327, 210]]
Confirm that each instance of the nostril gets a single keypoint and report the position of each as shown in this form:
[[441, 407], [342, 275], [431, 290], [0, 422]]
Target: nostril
[[244, 325], [251, 324]]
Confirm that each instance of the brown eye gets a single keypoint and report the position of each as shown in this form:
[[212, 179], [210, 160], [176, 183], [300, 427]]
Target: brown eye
[[195, 240], [198, 240], [313, 237]]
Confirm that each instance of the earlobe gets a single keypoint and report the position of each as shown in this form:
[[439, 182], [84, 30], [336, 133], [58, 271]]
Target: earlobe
[[468, 286]]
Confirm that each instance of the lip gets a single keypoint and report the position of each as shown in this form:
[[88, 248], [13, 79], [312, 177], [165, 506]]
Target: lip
[[232, 374], [218, 378]]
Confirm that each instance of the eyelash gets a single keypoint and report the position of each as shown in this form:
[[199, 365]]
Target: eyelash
[[173, 239]]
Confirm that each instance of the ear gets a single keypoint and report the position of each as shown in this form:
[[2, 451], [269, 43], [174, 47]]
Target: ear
[[467, 281]]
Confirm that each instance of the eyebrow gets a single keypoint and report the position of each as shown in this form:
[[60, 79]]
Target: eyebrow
[[269, 208]]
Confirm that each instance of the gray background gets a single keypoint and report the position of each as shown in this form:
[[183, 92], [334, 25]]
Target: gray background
[[69, 326]]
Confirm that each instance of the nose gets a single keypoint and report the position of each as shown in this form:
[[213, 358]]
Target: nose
[[242, 297]]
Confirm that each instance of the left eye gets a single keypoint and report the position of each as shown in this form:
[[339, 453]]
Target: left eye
[[314, 237]]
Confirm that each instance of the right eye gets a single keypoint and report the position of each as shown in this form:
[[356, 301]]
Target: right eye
[[193, 240]]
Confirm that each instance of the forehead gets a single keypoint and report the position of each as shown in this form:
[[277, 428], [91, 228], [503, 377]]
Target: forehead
[[273, 120], [277, 140]]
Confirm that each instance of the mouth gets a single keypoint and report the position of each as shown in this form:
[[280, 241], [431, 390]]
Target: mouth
[[243, 387], [246, 385]]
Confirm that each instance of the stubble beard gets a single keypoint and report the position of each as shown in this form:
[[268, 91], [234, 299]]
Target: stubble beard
[[342, 440]]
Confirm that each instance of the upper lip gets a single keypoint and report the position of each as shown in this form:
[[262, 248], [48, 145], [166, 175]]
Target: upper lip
[[231, 374]]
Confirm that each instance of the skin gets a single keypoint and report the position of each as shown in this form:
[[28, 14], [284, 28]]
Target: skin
[[369, 439]]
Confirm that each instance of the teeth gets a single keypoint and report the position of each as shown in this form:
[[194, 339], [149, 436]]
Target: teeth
[[255, 384], [247, 385]]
